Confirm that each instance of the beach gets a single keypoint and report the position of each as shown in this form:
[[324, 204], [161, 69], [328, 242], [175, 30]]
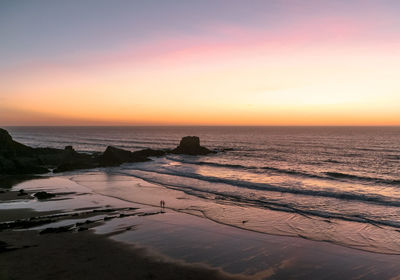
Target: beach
[[79, 254], [252, 140], [83, 234]]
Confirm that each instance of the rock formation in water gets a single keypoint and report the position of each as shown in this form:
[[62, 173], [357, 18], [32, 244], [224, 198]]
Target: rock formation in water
[[17, 158], [72, 160], [190, 145], [114, 156]]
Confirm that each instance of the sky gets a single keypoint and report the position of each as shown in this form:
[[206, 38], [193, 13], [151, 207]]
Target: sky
[[209, 62]]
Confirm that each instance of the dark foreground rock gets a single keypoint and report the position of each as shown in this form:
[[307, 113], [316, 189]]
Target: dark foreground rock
[[10, 148], [190, 145], [17, 158], [44, 195]]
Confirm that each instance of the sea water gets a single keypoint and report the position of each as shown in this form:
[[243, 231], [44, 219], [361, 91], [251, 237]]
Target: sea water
[[334, 184]]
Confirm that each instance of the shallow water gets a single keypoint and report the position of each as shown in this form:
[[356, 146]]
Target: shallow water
[[336, 184]]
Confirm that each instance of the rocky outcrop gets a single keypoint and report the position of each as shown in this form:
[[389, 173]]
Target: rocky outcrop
[[44, 195], [115, 156], [10, 148], [190, 145], [149, 153], [17, 159], [72, 160]]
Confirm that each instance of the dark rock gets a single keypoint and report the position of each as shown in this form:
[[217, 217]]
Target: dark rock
[[69, 149], [22, 192], [75, 164], [189, 142], [29, 166], [148, 153], [190, 145], [150, 213], [50, 156], [11, 148], [225, 150], [21, 165], [7, 166], [72, 160], [4, 247], [24, 223], [18, 159], [114, 156], [44, 195], [56, 230]]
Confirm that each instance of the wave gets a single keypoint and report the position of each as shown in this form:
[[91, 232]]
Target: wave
[[377, 199], [239, 166], [272, 205], [332, 161], [326, 175], [362, 178], [215, 164], [61, 142], [395, 157]]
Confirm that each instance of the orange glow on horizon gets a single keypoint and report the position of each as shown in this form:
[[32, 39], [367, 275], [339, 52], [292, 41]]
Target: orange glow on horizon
[[262, 79]]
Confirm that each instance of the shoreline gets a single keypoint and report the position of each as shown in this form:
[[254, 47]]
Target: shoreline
[[86, 255], [236, 224], [74, 254], [178, 240]]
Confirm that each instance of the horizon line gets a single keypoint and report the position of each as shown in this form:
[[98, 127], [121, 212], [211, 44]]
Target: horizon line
[[197, 125]]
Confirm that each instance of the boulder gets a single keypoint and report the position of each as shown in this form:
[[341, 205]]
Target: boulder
[[69, 150], [115, 156], [44, 195], [190, 145], [148, 153], [72, 160], [22, 192]]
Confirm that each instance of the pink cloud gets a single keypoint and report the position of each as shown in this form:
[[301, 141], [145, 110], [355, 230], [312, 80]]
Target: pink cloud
[[221, 41]]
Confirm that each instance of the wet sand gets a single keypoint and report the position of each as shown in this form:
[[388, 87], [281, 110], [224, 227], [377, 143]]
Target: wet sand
[[85, 255], [84, 235], [76, 254]]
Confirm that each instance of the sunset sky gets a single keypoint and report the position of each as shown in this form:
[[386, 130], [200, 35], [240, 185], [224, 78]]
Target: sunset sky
[[225, 62]]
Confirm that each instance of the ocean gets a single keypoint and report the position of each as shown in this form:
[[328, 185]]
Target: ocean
[[331, 184]]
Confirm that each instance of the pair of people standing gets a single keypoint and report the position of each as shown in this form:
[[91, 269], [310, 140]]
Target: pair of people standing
[[162, 203]]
